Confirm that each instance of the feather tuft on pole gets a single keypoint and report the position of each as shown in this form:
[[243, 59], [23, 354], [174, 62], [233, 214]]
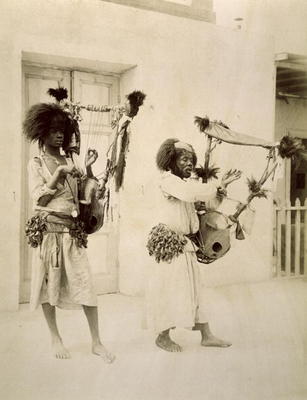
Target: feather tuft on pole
[[59, 94], [207, 173], [202, 123], [136, 98], [291, 147], [256, 189]]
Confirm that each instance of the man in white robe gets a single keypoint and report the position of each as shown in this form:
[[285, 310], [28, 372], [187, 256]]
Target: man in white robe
[[173, 292]]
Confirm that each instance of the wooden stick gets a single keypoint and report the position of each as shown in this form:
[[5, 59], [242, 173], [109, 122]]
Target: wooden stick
[[207, 157]]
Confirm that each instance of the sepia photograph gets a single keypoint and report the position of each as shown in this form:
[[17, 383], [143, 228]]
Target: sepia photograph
[[154, 200]]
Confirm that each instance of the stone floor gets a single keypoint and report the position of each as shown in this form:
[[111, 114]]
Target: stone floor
[[266, 322]]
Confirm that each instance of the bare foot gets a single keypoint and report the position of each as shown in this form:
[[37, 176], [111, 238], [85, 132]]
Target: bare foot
[[166, 343], [59, 350], [213, 341], [101, 351]]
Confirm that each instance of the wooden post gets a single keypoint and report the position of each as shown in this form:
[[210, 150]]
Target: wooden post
[[297, 237], [278, 241], [207, 156], [288, 238], [305, 238]]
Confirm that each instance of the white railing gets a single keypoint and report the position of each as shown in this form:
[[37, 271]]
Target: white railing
[[291, 240]]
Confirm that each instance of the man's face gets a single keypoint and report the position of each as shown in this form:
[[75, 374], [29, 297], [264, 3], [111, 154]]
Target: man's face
[[55, 137], [184, 164]]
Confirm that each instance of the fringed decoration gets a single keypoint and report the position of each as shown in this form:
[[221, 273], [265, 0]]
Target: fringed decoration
[[165, 244], [35, 228], [120, 163], [78, 233]]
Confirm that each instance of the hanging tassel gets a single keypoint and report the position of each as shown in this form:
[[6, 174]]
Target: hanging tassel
[[121, 162]]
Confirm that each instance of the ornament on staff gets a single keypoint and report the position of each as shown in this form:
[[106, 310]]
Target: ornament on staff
[[213, 237], [94, 195]]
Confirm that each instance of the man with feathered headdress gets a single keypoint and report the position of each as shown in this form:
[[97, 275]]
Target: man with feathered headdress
[[61, 274], [173, 295]]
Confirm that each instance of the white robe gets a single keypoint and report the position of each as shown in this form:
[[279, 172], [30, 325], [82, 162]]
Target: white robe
[[61, 274], [173, 295]]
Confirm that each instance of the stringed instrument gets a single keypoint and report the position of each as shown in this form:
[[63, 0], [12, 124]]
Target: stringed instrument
[[93, 202], [214, 237], [93, 197]]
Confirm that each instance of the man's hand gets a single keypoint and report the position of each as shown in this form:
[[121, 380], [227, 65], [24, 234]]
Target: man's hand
[[230, 176], [91, 157], [64, 170]]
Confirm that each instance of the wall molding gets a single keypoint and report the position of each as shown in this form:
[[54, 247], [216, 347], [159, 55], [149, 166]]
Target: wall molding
[[197, 12]]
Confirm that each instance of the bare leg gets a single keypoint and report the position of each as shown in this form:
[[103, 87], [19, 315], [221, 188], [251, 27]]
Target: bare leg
[[207, 338], [166, 343], [97, 347], [58, 348]]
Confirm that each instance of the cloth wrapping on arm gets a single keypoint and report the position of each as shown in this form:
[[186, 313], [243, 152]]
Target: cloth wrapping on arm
[[190, 191], [37, 182]]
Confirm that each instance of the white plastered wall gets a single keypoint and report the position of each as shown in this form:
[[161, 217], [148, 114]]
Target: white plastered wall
[[185, 67]]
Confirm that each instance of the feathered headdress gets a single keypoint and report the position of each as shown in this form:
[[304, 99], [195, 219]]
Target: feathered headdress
[[38, 119], [73, 111]]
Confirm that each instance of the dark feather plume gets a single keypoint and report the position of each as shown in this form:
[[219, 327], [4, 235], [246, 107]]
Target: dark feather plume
[[209, 173], [256, 189], [38, 118], [202, 123], [136, 98], [291, 147], [59, 93]]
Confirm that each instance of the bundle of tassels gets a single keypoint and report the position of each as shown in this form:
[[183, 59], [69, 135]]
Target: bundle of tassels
[[165, 244], [78, 233], [135, 100]]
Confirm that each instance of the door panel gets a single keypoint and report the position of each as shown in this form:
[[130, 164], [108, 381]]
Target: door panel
[[96, 132]]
